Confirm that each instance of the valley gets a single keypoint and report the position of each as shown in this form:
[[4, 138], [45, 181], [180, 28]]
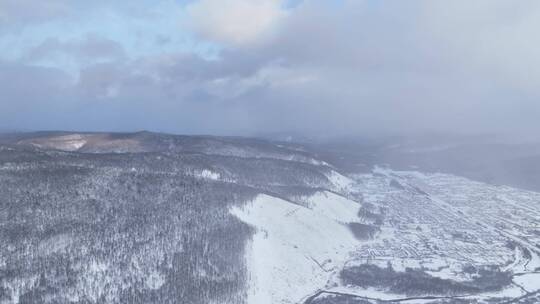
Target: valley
[[156, 218]]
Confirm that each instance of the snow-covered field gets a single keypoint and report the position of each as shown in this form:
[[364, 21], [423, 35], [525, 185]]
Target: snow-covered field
[[437, 222], [296, 250]]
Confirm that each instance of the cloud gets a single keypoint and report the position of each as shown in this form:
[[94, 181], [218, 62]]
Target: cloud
[[497, 37], [408, 67], [28, 91], [20, 12], [336, 68], [91, 48], [236, 22]]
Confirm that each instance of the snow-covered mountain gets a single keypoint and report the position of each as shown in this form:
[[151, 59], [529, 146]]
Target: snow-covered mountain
[[155, 218]]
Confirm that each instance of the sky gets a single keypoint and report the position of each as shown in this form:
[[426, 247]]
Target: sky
[[245, 67]]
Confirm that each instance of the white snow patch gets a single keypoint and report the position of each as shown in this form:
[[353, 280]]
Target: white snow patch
[[54, 244], [295, 250], [155, 280], [207, 174], [73, 145], [69, 142], [534, 262], [317, 162], [529, 281], [334, 206], [340, 182]]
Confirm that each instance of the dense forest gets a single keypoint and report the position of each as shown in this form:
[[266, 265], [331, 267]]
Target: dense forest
[[150, 226]]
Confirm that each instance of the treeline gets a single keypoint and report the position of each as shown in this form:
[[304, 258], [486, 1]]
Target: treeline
[[416, 282], [77, 234], [132, 227]]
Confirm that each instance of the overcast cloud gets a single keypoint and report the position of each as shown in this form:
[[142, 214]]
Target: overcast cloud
[[261, 66]]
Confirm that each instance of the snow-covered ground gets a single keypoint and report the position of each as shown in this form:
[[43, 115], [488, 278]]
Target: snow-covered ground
[[340, 182], [296, 250], [334, 206], [72, 142], [208, 174], [444, 223], [436, 222]]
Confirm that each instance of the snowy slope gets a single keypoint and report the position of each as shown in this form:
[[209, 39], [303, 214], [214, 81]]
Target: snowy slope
[[340, 182], [295, 250], [334, 206]]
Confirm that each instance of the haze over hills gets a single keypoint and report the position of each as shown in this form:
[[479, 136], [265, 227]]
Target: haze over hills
[[157, 218], [484, 158], [358, 151], [487, 158]]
